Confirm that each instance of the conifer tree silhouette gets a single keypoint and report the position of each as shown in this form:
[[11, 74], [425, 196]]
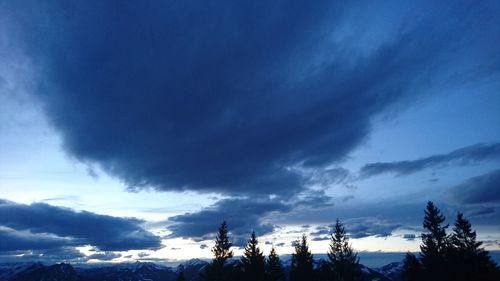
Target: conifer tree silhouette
[[435, 244], [469, 260], [302, 262], [412, 269], [343, 261], [217, 269], [222, 249], [274, 269], [253, 261]]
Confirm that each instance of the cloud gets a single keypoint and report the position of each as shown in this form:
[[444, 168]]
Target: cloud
[[321, 231], [313, 199], [369, 226], [16, 240], [321, 238], [242, 216], [482, 189], [203, 246], [104, 256], [61, 254], [357, 228], [142, 254], [463, 156], [233, 97], [52, 226], [409, 237], [480, 211]]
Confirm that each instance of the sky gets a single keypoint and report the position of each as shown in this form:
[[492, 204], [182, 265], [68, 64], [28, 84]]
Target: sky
[[130, 131]]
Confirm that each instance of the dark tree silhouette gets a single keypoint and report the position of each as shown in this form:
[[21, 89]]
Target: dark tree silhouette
[[181, 277], [470, 261], [458, 257], [342, 259], [217, 269], [412, 270], [435, 244], [222, 249], [253, 262], [274, 269], [323, 271], [302, 262]]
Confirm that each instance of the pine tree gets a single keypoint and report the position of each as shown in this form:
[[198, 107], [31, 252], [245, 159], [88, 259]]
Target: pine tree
[[412, 270], [274, 269], [181, 277], [324, 272], [222, 249], [343, 261], [470, 261], [302, 262], [253, 262], [435, 244], [217, 270]]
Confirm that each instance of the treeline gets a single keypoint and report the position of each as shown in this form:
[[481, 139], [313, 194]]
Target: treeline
[[342, 262], [457, 256]]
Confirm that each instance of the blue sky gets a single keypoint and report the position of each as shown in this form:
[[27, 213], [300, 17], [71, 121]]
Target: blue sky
[[158, 121]]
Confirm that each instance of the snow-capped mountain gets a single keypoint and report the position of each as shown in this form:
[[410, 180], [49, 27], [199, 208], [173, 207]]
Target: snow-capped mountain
[[143, 271], [392, 270]]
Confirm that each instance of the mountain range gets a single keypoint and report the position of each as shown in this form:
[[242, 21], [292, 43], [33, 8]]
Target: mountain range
[[143, 271]]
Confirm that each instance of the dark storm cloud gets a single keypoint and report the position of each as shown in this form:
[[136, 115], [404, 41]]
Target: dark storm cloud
[[227, 96], [463, 156], [61, 226], [482, 189], [242, 216]]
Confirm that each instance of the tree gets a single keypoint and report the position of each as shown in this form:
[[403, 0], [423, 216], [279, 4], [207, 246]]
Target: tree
[[470, 261], [222, 249], [302, 262], [323, 271], [343, 261], [181, 277], [253, 262], [274, 269], [435, 244], [412, 270], [217, 269]]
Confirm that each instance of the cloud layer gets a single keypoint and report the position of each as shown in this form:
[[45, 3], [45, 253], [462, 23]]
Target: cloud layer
[[41, 226], [242, 215], [483, 189], [233, 97]]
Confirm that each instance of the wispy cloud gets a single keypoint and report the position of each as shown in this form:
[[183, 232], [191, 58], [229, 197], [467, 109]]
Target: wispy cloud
[[463, 156]]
